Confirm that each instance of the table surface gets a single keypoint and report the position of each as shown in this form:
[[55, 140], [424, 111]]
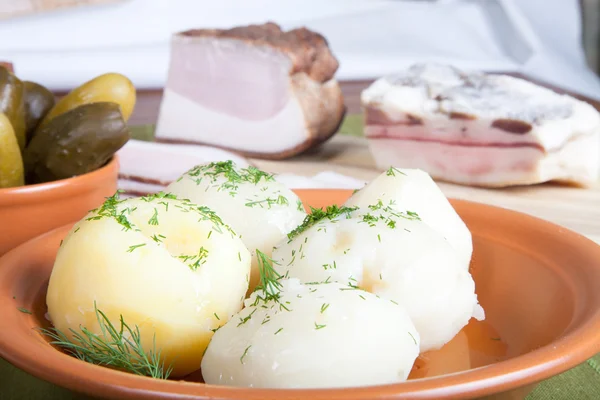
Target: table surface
[[577, 209], [574, 208]]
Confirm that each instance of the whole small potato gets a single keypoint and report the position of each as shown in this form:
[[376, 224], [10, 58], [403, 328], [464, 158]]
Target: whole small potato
[[414, 190], [168, 267], [313, 336], [391, 254], [260, 209]]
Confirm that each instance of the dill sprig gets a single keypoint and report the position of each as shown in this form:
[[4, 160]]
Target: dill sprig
[[318, 214], [119, 348], [270, 283]]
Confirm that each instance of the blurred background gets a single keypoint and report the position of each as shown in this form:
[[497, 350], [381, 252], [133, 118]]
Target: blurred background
[[62, 43]]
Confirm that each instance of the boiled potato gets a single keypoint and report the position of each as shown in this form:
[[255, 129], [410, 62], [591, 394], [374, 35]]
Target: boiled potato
[[394, 255], [261, 210], [414, 190], [169, 267], [313, 336]]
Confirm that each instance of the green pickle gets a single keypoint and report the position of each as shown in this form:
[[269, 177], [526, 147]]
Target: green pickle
[[12, 103], [11, 163], [38, 102], [110, 87], [76, 142]]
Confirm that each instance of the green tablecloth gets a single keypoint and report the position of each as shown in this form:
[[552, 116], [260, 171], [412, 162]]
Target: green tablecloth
[[580, 383]]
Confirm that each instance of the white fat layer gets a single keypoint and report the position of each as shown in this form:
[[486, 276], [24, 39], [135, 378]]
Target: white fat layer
[[414, 190], [505, 97], [410, 263], [577, 161], [330, 337], [183, 119]]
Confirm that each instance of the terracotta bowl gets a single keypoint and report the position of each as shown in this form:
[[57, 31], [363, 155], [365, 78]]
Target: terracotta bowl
[[539, 284], [28, 211]]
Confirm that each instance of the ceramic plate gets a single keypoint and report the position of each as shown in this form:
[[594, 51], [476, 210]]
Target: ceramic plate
[[539, 284]]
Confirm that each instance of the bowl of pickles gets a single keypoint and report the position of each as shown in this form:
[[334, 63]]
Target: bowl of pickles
[[58, 155]]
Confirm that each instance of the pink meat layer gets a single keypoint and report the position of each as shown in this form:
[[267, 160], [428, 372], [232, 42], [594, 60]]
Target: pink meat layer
[[232, 77], [451, 132], [491, 166], [401, 134]]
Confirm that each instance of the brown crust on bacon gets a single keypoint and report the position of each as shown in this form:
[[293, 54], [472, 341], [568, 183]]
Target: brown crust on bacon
[[512, 126], [7, 65], [308, 50], [461, 115], [374, 116], [412, 120]]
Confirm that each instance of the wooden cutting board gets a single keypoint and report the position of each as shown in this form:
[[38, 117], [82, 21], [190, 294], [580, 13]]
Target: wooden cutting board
[[574, 208]]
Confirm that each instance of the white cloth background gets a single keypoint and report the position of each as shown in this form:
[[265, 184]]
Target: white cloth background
[[541, 38]]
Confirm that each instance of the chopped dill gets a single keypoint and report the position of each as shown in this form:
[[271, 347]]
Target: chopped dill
[[317, 214], [245, 353], [154, 219], [194, 261], [135, 246], [392, 171], [158, 238], [413, 338], [230, 173]]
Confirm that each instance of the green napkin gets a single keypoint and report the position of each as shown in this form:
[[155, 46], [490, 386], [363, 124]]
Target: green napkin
[[580, 383]]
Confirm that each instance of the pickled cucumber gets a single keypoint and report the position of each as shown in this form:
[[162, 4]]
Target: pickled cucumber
[[12, 103], [38, 101], [110, 87], [11, 163], [75, 142]]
